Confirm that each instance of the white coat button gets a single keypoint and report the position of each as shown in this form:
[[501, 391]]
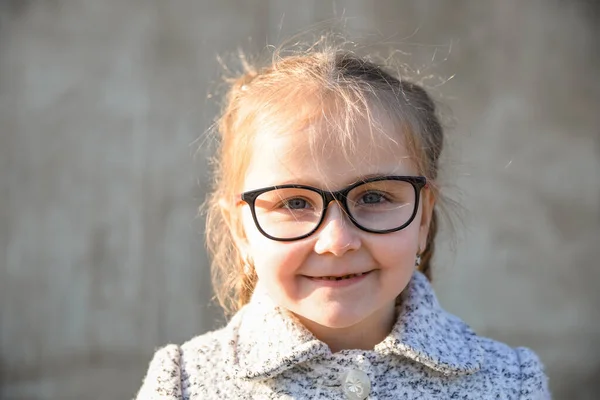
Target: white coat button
[[356, 385]]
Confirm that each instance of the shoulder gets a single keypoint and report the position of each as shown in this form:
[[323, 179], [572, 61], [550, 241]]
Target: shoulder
[[202, 357], [205, 345], [534, 382], [174, 367], [163, 379], [517, 369]]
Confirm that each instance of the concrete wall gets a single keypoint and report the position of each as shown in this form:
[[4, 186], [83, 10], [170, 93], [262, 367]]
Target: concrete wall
[[102, 258]]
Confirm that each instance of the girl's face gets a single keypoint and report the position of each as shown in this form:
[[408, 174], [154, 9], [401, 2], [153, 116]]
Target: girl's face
[[288, 269]]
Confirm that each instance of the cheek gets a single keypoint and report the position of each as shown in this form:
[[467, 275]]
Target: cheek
[[273, 260], [397, 251], [276, 260]]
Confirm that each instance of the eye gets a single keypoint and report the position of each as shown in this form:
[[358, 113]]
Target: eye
[[372, 198], [295, 204]]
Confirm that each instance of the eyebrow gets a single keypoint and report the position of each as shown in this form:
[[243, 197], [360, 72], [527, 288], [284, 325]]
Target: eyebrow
[[362, 178], [371, 176]]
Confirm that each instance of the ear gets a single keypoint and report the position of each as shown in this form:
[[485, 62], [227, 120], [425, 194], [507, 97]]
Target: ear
[[233, 218], [427, 204]]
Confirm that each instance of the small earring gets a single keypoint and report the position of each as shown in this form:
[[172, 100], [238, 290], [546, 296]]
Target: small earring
[[418, 260]]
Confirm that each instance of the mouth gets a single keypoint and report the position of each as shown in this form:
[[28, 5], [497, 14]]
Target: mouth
[[339, 277]]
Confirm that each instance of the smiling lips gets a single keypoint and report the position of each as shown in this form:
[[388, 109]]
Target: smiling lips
[[338, 278]]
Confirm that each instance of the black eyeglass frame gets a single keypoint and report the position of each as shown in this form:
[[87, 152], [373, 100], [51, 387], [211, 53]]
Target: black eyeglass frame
[[341, 196]]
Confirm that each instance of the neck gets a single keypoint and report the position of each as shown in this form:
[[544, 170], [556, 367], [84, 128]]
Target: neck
[[363, 335]]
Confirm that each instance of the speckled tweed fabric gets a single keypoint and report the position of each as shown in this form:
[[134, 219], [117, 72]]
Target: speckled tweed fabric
[[264, 353]]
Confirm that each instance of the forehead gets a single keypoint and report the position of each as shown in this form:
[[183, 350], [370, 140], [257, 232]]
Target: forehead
[[328, 154]]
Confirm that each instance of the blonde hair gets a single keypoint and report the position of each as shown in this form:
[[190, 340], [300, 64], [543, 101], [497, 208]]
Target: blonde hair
[[329, 85]]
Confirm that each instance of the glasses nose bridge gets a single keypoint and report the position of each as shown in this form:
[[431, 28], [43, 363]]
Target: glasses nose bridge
[[339, 196]]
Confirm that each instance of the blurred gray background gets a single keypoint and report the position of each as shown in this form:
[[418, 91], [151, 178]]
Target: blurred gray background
[[102, 257]]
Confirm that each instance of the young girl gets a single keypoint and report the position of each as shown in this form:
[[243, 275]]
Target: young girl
[[321, 227]]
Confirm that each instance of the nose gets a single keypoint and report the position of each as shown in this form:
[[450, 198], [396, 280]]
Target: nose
[[338, 234]]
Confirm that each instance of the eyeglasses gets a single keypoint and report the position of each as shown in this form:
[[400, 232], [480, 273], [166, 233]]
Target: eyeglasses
[[378, 205]]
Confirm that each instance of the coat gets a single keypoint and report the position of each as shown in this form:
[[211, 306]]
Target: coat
[[265, 353]]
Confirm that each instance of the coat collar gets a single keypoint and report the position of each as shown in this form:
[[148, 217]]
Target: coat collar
[[264, 340]]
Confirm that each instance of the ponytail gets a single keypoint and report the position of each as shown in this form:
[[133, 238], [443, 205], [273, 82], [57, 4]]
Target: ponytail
[[427, 254]]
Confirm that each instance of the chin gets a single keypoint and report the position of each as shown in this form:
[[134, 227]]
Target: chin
[[336, 319]]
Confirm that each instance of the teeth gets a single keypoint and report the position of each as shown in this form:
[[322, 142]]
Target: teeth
[[339, 278]]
